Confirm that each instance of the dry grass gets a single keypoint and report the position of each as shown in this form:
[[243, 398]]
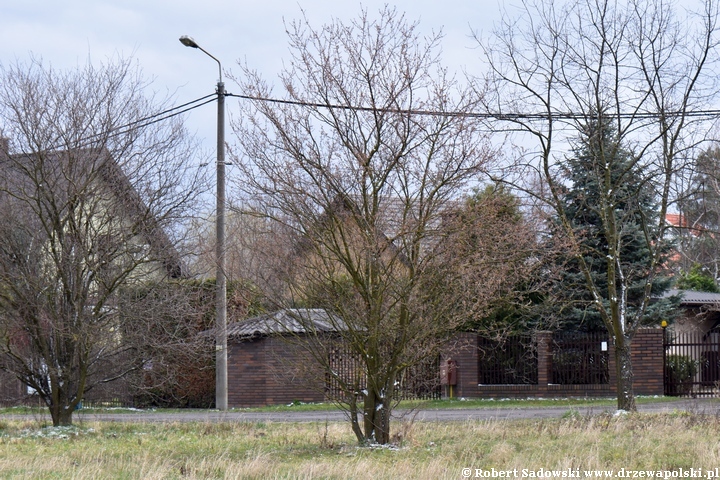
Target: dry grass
[[299, 451]]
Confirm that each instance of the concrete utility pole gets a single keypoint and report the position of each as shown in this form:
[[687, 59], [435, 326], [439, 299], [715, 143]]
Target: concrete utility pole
[[221, 377]]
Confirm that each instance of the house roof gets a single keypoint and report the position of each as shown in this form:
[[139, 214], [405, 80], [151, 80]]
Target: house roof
[[676, 220], [294, 321], [680, 222], [692, 298]]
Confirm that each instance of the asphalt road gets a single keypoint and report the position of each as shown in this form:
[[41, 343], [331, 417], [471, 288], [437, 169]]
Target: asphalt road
[[705, 406]]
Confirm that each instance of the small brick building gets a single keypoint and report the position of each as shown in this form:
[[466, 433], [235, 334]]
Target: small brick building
[[266, 366]]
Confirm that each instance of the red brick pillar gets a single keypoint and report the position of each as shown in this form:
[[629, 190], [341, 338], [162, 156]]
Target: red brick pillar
[[544, 357], [646, 350], [464, 350], [647, 361]]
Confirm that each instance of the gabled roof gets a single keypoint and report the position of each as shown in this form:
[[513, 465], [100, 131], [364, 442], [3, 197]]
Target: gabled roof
[[117, 182], [293, 321]]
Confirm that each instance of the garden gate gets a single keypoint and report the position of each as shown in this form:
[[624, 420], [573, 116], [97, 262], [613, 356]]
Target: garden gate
[[691, 363]]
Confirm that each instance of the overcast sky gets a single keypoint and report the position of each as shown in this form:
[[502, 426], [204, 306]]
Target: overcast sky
[[66, 33]]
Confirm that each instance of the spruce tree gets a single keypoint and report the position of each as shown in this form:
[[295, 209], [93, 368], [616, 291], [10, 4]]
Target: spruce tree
[[600, 162]]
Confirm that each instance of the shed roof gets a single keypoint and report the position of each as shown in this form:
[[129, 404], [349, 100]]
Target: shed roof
[[291, 320], [692, 298]]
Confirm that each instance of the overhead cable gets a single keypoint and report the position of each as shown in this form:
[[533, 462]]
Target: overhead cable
[[482, 115]]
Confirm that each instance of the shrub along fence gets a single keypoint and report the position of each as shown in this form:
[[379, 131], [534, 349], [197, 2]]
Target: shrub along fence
[[692, 363]]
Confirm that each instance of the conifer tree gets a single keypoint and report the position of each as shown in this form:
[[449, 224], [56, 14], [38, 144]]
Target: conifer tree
[[601, 172]]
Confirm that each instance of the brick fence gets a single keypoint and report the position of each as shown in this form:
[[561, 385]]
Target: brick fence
[[270, 370], [647, 361]]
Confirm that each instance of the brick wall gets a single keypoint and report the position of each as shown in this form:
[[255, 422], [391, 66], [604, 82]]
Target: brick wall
[[647, 360], [271, 371], [464, 350]]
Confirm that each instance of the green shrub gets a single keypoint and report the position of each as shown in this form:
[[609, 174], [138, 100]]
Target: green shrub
[[679, 372]]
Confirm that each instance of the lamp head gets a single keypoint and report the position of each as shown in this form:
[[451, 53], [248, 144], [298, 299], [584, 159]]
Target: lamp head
[[188, 42]]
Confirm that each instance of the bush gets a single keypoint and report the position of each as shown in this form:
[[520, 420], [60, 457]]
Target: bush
[[679, 373]]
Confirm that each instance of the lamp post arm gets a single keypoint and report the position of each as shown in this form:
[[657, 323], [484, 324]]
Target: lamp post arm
[[218, 62], [190, 42]]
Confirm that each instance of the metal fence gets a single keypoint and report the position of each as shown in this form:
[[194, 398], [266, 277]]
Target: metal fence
[[580, 358], [418, 382], [692, 363], [509, 360], [576, 358]]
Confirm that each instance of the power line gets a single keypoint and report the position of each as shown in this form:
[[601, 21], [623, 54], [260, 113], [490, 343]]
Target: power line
[[480, 115], [144, 122], [199, 102]]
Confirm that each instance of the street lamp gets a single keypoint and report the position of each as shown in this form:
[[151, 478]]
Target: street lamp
[[221, 377]]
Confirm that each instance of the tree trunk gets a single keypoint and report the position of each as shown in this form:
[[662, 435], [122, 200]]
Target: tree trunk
[[377, 419], [624, 375], [65, 417], [61, 409], [61, 415], [354, 420]]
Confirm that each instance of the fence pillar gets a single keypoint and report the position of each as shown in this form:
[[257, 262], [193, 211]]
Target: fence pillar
[[647, 354], [544, 358], [464, 350]]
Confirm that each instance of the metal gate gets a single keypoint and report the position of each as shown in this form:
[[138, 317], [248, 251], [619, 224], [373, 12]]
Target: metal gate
[[692, 363]]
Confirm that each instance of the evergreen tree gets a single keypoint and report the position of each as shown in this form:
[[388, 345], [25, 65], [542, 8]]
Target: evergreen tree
[[600, 161], [698, 279]]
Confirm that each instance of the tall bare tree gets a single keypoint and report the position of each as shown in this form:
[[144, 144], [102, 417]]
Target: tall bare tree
[[89, 198], [362, 188], [255, 251], [698, 224], [559, 67]]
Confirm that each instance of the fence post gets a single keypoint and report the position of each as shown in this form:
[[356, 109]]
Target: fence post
[[664, 325], [648, 354]]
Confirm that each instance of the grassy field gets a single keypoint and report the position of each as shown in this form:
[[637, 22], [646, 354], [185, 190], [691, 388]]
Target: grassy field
[[423, 451]]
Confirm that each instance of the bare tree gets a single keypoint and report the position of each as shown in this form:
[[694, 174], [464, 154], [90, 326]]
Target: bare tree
[[89, 200], [362, 191], [635, 67], [698, 223], [255, 251], [494, 258]]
